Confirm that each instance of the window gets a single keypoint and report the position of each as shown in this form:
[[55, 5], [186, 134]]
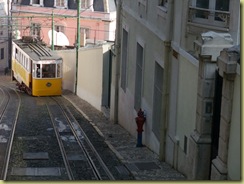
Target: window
[[59, 28], [85, 30], [157, 99], [1, 29], [163, 2], [38, 71], [211, 12], [36, 30], [23, 2], [139, 74], [16, 54], [35, 1], [60, 3], [124, 59], [2, 53], [83, 4], [59, 70], [142, 8], [48, 70]]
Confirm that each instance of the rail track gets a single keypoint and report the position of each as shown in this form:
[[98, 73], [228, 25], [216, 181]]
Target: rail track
[[9, 111], [93, 167], [47, 138]]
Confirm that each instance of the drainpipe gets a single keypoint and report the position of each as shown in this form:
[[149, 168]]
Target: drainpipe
[[166, 80], [117, 52]]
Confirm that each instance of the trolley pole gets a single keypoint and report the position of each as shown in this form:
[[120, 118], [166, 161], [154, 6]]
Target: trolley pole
[[77, 44], [52, 31]]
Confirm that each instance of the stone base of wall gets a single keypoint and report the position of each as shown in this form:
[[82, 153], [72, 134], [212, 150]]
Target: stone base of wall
[[218, 170]]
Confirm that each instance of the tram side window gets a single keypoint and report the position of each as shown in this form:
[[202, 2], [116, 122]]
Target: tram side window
[[38, 71], [16, 54], [48, 70], [59, 70]]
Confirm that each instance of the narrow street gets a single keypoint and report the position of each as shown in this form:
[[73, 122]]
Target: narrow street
[[45, 146]]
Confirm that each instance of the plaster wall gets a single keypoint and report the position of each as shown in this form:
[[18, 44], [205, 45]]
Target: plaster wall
[[187, 99], [94, 21], [4, 34], [89, 85], [234, 151], [90, 73], [69, 63], [154, 50]]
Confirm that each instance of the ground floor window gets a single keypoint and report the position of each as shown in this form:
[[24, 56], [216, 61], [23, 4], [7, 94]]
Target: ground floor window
[[157, 99]]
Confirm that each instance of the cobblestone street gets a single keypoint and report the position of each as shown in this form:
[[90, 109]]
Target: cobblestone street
[[141, 161]]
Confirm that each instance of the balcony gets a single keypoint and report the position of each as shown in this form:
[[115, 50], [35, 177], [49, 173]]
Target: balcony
[[201, 19]]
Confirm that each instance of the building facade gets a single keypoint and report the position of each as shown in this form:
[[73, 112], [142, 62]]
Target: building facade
[[166, 63], [4, 34], [55, 21]]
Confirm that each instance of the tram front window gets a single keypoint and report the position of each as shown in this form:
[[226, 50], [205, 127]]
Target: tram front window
[[48, 70]]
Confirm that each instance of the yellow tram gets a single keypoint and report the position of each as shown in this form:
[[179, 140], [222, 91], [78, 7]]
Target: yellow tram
[[37, 70]]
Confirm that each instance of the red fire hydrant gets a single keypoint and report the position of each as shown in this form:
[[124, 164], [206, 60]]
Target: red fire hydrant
[[140, 120]]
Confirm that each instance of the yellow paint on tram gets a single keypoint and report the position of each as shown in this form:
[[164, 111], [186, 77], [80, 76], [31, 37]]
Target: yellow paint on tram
[[21, 73], [46, 87]]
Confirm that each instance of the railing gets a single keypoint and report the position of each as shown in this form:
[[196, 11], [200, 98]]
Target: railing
[[209, 17]]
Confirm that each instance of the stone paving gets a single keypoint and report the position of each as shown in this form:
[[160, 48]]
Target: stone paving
[[141, 161]]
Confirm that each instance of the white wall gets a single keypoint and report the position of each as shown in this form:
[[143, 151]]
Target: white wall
[[144, 32], [69, 62], [90, 67], [187, 99], [90, 73]]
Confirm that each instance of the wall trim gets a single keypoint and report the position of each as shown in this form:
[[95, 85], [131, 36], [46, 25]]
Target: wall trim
[[185, 54]]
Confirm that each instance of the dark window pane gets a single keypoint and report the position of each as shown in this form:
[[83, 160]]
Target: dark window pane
[[2, 53], [202, 4], [222, 5]]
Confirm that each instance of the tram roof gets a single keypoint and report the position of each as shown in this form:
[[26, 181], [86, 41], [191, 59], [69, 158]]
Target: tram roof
[[36, 51]]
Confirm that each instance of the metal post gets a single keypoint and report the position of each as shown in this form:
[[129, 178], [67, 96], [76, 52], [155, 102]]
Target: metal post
[[77, 43], [52, 32], [117, 52], [9, 35]]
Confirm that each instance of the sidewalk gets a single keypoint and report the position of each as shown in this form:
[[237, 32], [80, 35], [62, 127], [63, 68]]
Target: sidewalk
[[142, 162]]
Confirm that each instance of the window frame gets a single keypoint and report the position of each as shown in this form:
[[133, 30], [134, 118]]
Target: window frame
[[35, 29], [158, 86], [210, 14], [139, 75], [63, 3], [124, 59], [56, 27], [86, 30]]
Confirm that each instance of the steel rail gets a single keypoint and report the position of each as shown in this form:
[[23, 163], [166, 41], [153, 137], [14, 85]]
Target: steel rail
[[65, 158], [92, 165], [109, 174], [10, 142]]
